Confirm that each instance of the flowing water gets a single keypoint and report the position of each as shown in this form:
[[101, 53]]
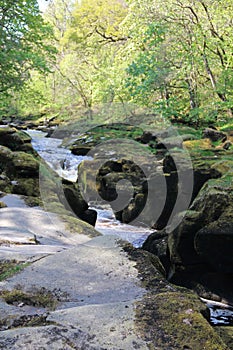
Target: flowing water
[[66, 164]]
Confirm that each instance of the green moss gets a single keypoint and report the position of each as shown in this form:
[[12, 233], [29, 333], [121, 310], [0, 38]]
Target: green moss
[[10, 268], [226, 127], [173, 320], [226, 333], [33, 201], [78, 226], [198, 144], [40, 298]]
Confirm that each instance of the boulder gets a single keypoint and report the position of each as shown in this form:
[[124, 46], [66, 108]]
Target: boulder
[[13, 138], [214, 135], [200, 248], [72, 200], [23, 165], [214, 244]]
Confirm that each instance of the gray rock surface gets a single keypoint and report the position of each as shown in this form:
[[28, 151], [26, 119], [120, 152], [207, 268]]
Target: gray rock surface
[[99, 287]]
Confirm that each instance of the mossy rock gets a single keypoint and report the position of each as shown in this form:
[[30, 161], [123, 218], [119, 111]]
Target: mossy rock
[[223, 166], [102, 133], [77, 226], [27, 187], [174, 320], [37, 298], [226, 333], [5, 183], [6, 130], [186, 130], [198, 144], [6, 156], [9, 268], [12, 138], [168, 316], [2, 205], [24, 165]]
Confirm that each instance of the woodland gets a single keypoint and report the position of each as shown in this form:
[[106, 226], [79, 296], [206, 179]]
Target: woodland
[[174, 57]]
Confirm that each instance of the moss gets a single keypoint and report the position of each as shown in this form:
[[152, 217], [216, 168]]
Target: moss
[[27, 186], [76, 225], [226, 127], [33, 201], [173, 320], [198, 144], [40, 298], [168, 316], [223, 166], [226, 333], [2, 205], [10, 268], [24, 321]]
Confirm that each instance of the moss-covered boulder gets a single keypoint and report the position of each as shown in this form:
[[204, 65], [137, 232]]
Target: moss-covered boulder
[[13, 138], [23, 165], [212, 202], [75, 202], [63, 197], [19, 163], [102, 133], [168, 316]]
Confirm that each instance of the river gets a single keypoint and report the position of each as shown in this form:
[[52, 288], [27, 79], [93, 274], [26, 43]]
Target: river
[[66, 164]]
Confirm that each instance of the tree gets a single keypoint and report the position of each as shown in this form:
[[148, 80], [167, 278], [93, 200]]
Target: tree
[[88, 39], [192, 64], [23, 41]]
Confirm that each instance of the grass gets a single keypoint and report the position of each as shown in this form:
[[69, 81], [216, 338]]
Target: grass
[[10, 268], [39, 298]]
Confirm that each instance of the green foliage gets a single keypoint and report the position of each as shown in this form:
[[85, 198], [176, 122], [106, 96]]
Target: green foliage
[[171, 56], [183, 62], [23, 35]]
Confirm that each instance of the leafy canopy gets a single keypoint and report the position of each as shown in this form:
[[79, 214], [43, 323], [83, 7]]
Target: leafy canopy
[[23, 41]]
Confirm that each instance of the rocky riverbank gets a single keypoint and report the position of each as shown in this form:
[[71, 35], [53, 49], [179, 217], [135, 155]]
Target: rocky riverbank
[[73, 291]]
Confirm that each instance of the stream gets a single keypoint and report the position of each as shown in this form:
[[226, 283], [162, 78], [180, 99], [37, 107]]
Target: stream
[[65, 164]]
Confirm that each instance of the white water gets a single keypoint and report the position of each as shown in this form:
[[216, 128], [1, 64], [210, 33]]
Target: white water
[[51, 151]]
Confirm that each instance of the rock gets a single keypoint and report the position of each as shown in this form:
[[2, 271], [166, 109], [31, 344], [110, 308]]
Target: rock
[[207, 207], [6, 155], [201, 245], [20, 170], [109, 296], [23, 165], [170, 142], [2, 205], [26, 186], [76, 203], [80, 150], [156, 244], [13, 139], [227, 145], [214, 135], [202, 144], [146, 137], [214, 243]]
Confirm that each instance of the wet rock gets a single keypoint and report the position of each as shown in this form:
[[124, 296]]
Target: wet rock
[[76, 203]]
